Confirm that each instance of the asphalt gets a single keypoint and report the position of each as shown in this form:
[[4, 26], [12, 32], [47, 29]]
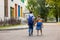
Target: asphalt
[[50, 31]]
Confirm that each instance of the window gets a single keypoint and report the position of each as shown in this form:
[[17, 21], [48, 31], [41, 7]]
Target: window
[[6, 8], [22, 1], [11, 0]]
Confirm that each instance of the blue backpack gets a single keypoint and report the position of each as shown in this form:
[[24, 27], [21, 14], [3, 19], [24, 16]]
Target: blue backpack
[[30, 20]]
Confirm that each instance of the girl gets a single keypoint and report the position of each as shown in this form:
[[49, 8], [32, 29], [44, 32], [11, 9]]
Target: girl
[[39, 25]]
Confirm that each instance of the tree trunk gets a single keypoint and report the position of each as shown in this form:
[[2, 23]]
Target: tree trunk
[[46, 19], [56, 18]]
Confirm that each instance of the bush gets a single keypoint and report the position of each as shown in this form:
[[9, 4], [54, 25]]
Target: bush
[[10, 22]]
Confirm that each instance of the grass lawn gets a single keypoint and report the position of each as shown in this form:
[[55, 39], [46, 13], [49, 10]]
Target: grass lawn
[[7, 26]]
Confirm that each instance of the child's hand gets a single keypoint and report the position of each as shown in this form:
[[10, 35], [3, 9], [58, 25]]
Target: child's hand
[[34, 24]]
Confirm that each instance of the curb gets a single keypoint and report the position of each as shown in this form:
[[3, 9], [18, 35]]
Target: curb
[[13, 29]]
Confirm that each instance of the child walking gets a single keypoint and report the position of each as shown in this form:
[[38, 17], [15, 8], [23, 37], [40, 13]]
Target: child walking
[[39, 25]]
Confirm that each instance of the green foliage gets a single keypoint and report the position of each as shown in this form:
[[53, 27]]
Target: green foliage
[[22, 1], [55, 8], [38, 7], [51, 13]]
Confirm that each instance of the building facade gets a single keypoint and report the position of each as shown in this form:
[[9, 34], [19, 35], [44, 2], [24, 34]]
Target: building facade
[[11, 9]]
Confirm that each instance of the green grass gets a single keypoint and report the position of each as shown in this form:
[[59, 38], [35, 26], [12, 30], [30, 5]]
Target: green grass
[[7, 26]]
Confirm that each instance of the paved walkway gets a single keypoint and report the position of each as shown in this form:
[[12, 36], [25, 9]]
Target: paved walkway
[[24, 26], [51, 31], [15, 27]]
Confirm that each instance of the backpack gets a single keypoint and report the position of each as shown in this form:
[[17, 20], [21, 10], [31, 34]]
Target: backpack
[[30, 20]]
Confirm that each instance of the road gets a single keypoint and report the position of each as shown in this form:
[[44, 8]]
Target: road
[[50, 32]]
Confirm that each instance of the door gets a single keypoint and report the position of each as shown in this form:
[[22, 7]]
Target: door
[[18, 10], [12, 12]]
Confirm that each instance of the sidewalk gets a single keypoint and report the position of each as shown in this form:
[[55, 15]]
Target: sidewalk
[[58, 22], [24, 26], [15, 27]]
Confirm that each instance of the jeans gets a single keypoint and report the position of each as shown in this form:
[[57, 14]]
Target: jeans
[[30, 30]]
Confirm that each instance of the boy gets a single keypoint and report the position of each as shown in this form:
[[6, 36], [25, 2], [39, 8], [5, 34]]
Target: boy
[[30, 23]]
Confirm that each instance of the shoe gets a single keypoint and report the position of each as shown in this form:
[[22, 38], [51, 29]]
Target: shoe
[[29, 34], [37, 35]]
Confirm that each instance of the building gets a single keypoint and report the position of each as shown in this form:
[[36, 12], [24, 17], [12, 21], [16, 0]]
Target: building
[[11, 9]]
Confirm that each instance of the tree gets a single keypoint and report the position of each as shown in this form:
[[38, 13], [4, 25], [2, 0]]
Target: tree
[[38, 8], [32, 5], [55, 6]]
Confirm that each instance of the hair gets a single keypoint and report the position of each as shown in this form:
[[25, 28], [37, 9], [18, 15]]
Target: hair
[[39, 16], [30, 11]]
